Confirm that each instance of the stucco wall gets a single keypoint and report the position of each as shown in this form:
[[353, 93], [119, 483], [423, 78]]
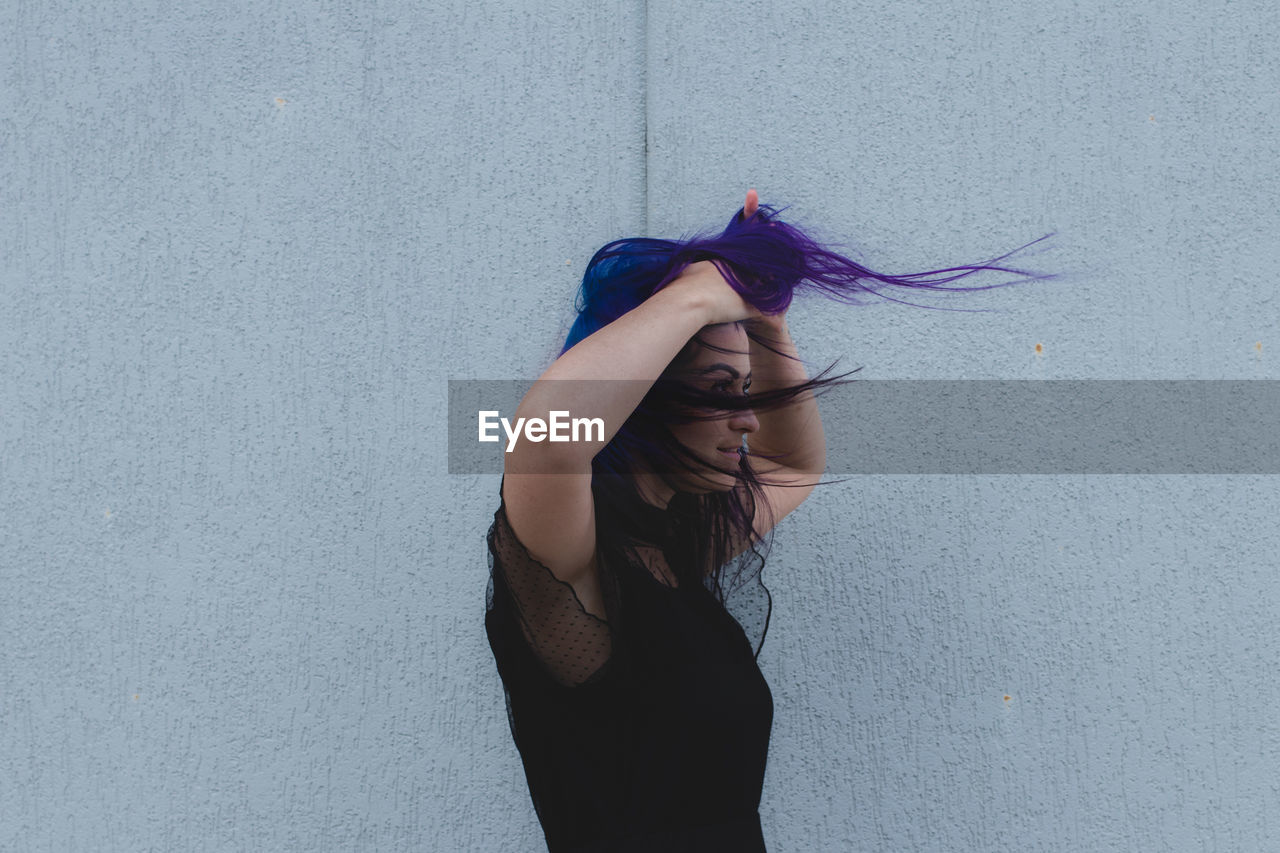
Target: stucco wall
[[243, 247]]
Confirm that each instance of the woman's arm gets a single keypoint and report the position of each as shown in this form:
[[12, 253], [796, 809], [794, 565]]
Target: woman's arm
[[631, 352], [793, 432], [606, 375]]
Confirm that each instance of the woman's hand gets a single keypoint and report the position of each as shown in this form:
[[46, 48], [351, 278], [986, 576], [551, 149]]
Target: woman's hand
[[722, 302], [719, 301]]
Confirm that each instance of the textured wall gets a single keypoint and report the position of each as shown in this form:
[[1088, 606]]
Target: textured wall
[[242, 247]]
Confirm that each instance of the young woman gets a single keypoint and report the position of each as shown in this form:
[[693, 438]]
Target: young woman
[[625, 609]]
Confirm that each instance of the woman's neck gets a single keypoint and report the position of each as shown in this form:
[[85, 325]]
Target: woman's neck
[[654, 490]]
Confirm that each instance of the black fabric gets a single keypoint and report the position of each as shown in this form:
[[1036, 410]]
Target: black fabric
[[733, 836], [648, 730]]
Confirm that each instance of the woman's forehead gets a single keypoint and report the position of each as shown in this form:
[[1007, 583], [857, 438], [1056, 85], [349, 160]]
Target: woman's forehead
[[730, 336], [726, 344]]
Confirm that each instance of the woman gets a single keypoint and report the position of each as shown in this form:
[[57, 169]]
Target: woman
[[633, 694]]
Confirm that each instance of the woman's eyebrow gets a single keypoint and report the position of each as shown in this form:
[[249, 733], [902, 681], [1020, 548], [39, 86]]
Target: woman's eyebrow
[[721, 366]]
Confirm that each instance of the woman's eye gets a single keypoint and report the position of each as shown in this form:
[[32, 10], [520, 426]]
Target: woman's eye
[[727, 388]]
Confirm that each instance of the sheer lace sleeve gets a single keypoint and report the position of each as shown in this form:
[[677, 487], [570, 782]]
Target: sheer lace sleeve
[[531, 612]]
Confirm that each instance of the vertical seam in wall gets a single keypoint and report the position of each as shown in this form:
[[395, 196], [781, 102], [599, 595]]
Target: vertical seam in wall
[[644, 113]]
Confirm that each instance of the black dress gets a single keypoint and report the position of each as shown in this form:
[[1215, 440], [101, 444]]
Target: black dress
[[645, 731]]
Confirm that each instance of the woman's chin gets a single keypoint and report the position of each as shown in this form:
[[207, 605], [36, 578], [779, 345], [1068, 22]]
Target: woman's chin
[[708, 482]]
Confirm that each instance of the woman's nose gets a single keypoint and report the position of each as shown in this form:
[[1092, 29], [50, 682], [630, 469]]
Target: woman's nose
[[744, 420]]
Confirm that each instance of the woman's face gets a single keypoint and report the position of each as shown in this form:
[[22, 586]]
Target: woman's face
[[717, 441]]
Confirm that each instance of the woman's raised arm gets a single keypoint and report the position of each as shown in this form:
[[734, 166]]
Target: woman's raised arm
[[547, 486]]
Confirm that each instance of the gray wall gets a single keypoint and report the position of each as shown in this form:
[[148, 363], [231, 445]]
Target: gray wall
[[244, 246]]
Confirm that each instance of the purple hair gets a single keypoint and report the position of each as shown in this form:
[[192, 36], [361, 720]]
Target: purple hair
[[767, 261]]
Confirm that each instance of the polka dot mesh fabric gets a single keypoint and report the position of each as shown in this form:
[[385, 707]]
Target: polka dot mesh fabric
[[571, 643]]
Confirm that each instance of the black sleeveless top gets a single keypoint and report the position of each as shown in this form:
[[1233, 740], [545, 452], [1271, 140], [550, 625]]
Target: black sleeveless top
[[645, 731]]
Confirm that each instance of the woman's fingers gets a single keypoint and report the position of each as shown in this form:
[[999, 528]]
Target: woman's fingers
[[752, 203]]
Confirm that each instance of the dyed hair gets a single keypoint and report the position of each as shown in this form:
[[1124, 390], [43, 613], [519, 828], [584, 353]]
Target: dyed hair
[[767, 261]]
